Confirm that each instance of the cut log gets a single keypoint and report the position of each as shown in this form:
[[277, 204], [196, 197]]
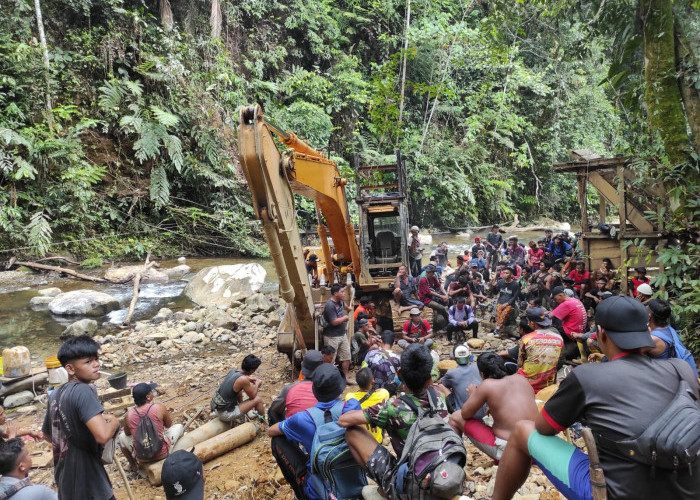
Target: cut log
[[201, 433], [210, 449], [26, 384]]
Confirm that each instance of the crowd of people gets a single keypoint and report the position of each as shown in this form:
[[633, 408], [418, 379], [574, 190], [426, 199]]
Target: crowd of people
[[630, 376]]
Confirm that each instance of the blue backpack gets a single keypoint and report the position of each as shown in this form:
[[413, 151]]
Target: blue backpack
[[676, 349], [334, 472]]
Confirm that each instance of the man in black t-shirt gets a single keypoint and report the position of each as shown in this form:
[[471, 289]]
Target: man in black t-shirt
[[336, 315], [618, 400], [508, 290], [77, 427]]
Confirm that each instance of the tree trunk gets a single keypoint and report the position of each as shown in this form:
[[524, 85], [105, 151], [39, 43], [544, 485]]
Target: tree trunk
[[689, 73], [166, 14], [45, 57], [403, 61], [216, 19], [662, 95]]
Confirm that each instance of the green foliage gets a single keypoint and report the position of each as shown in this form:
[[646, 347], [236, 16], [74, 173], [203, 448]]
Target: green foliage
[[93, 263], [38, 233]]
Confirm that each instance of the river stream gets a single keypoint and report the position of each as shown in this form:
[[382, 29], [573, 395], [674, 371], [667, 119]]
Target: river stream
[[39, 330]]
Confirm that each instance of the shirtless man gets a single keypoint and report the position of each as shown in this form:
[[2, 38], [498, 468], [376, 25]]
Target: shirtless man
[[510, 398]]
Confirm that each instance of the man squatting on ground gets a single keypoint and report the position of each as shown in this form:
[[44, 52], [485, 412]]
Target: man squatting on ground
[[617, 400], [227, 403]]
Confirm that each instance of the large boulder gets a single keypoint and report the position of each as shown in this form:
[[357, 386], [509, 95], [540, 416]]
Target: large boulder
[[40, 301], [221, 319], [50, 292], [83, 327], [83, 303], [224, 285], [122, 274]]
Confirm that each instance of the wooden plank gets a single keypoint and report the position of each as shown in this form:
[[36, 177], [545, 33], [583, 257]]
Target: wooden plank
[[114, 394], [583, 200], [611, 195]]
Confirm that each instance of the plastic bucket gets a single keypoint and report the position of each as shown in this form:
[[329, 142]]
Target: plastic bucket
[[57, 374], [16, 362], [117, 381]]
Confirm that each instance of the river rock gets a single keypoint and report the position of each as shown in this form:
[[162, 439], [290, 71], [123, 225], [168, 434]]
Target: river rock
[[220, 319], [83, 327], [176, 271], [222, 285], [476, 344], [40, 301], [190, 327], [181, 260], [192, 337], [83, 303], [259, 303], [50, 292], [18, 399], [127, 272]]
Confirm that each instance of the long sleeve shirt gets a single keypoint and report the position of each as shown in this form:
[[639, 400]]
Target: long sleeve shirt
[[456, 315]]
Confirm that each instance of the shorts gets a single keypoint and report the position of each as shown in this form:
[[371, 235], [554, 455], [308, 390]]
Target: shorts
[[564, 465], [381, 468], [230, 416], [482, 436], [342, 347]]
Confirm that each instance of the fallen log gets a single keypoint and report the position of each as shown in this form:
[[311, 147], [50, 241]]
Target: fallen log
[[210, 449], [27, 384], [58, 257], [135, 296], [63, 270]]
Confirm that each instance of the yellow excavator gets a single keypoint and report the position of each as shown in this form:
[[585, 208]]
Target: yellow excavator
[[366, 262]]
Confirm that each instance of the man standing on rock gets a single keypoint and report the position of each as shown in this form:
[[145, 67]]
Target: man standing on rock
[[336, 315], [508, 290], [76, 425], [228, 403]]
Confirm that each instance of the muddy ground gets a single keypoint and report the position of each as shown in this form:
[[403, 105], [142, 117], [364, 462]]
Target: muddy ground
[[188, 373]]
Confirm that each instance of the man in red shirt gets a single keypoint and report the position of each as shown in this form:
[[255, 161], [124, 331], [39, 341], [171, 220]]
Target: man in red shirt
[[639, 279], [416, 329], [432, 293], [160, 417], [297, 396], [581, 278], [573, 320]]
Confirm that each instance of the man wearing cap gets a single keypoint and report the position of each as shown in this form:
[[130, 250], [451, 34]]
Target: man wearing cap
[[364, 337], [312, 269], [458, 379], [416, 329], [477, 247], [539, 350], [573, 320], [640, 278], [327, 385], [494, 242], [415, 252], [297, 396], [508, 290], [158, 414], [617, 400], [183, 476], [644, 293], [461, 318], [432, 293]]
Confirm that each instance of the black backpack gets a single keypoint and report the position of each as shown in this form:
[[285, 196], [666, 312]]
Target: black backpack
[[147, 441], [431, 447], [672, 440]]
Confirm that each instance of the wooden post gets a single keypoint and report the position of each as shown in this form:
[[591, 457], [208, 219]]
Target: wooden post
[[583, 201], [598, 489], [622, 210]]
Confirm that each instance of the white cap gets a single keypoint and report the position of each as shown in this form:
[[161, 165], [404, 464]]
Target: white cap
[[645, 289], [414, 311], [462, 354], [415, 228]]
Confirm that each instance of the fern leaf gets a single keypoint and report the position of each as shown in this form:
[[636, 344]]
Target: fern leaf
[[160, 188], [110, 96], [136, 88], [174, 148], [39, 233], [164, 118]]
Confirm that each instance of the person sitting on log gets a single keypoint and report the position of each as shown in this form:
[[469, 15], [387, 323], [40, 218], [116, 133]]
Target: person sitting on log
[[405, 290], [132, 440], [228, 403]]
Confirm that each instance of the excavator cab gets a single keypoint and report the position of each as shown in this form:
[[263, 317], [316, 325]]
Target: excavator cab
[[383, 218]]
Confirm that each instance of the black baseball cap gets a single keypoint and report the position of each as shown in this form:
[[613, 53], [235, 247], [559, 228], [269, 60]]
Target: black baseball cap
[[328, 383], [313, 257], [557, 290], [312, 360], [538, 315], [182, 476], [140, 391], [625, 320]]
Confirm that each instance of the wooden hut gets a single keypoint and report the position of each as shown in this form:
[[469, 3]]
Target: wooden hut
[[636, 234]]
